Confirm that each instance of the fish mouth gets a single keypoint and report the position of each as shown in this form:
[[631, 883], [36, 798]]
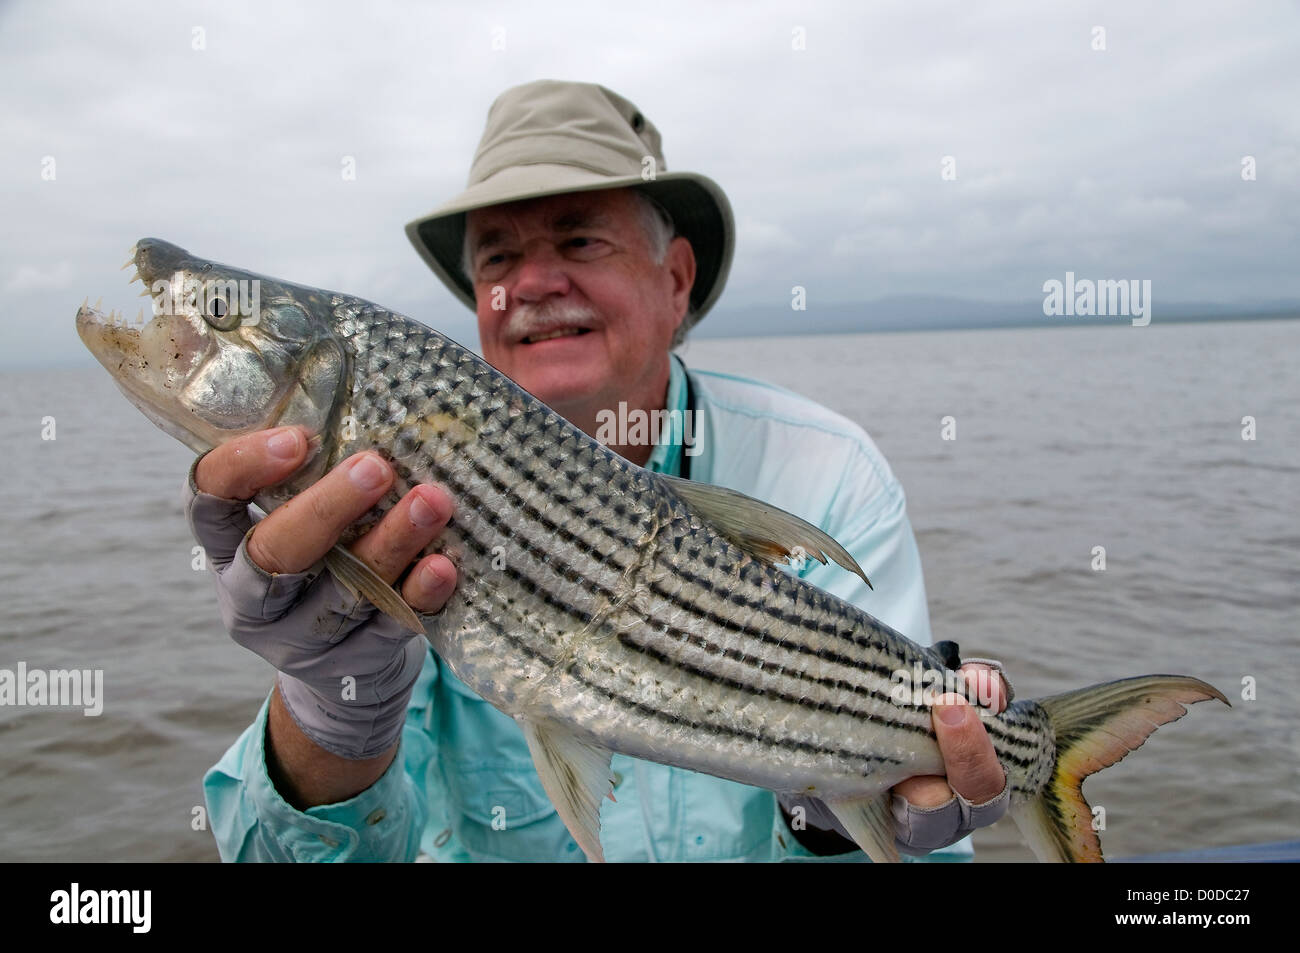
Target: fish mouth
[[91, 322], [144, 382], [118, 342], [151, 357]]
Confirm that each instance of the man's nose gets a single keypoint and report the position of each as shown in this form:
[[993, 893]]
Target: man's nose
[[541, 273]]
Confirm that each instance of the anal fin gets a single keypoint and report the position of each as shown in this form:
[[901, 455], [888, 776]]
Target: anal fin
[[871, 825], [576, 776]]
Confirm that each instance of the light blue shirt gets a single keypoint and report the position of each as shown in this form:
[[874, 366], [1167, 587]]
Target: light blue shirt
[[463, 786]]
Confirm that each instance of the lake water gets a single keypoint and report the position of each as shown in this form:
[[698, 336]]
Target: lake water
[[1119, 437]]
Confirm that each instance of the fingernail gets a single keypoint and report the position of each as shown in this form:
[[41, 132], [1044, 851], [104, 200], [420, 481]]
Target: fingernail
[[368, 473], [953, 713], [432, 580], [422, 514], [283, 445]]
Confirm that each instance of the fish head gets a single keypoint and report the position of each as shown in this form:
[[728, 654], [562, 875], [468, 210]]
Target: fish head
[[226, 352]]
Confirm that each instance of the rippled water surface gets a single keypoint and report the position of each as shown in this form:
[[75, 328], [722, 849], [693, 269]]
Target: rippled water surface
[[1127, 438]]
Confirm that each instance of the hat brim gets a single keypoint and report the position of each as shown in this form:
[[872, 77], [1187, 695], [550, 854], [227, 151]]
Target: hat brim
[[699, 208]]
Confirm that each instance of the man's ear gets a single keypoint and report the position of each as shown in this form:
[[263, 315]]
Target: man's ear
[[681, 266]]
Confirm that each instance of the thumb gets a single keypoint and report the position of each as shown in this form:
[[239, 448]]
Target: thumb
[[970, 763]]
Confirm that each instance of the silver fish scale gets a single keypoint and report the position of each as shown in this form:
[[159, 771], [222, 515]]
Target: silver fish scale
[[589, 595]]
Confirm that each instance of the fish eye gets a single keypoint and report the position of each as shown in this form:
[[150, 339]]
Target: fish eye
[[218, 313]]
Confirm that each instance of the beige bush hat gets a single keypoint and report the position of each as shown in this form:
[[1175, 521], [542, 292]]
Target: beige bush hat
[[549, 137]]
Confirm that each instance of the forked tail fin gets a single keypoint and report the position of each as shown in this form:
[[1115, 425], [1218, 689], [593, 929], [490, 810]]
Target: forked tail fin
[[1094, 728]]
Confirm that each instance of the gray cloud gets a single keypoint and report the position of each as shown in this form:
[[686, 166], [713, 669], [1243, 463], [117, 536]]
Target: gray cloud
[[1117, 163]]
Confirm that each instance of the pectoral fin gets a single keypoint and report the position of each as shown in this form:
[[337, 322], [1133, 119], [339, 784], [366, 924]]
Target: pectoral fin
[[764, 531], [871, 825], [360, 580], [576, 776]]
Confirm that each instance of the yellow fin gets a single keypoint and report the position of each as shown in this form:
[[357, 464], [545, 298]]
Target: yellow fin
[[360, 580], [1095, 727], [764, 531]]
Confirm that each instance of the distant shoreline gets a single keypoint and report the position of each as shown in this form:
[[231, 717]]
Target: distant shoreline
[[868, 319], [790, 329]]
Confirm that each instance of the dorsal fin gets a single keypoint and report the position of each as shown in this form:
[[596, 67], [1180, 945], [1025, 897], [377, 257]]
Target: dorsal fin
[[764, 531]]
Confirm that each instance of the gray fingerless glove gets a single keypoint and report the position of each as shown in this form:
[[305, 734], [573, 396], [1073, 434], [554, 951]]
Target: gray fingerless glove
[[928, 828], [346, 670], [917, 830]]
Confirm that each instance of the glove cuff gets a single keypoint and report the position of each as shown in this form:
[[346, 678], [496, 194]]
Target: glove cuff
[[350, 730]]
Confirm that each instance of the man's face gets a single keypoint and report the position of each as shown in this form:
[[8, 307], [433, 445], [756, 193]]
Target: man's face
[[583, 316]]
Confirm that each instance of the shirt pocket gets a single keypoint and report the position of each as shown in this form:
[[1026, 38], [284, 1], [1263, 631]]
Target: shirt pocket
[[499, 809], [725, 820]]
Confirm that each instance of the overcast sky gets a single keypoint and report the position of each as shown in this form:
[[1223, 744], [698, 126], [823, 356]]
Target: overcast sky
[[1122, 162]]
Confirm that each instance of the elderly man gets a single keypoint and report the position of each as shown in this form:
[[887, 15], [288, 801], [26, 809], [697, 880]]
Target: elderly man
[[586, 262]]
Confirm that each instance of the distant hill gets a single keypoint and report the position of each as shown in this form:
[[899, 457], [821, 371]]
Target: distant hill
[[933, 313]]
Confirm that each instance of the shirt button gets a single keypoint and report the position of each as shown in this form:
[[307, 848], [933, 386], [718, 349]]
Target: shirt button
[[377, 815]]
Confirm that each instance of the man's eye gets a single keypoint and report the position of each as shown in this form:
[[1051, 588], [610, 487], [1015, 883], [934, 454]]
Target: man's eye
[[584, 243], [492, 264]]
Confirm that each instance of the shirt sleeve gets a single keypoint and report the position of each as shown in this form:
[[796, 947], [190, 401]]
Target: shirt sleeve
[[252, 822], [867, 515]]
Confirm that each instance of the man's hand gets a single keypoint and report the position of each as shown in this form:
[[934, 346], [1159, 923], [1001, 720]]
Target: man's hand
[[928, 810], [346, 670]]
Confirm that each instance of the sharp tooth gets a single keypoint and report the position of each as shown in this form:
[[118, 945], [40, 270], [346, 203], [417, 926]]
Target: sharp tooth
[[145, 294], [85, 305], [129, 262], [139, 318], [98, 304]]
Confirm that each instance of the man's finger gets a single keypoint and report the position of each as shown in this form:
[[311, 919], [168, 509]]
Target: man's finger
[[300, 531], [986, 686], [430, 584], [932, 790], [970, 763], [238, 470], [404, 531], [926, 790]]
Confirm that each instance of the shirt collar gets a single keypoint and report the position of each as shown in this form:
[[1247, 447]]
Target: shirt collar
[[667, 454]]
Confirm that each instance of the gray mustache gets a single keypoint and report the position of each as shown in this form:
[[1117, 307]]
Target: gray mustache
[[528, 319]]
